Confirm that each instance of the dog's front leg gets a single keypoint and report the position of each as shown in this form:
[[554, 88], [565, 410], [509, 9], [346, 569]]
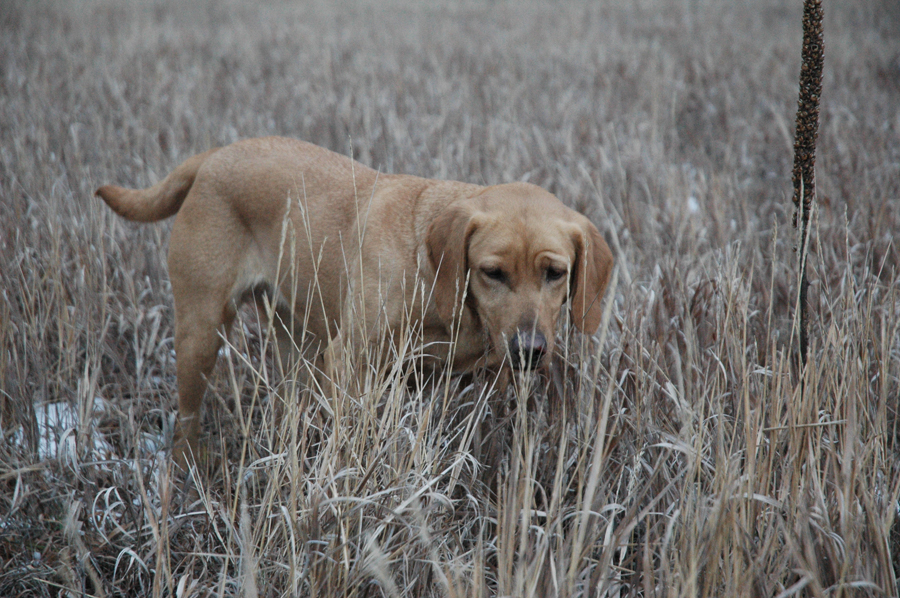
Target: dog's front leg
[[333, 367], [344, 368]]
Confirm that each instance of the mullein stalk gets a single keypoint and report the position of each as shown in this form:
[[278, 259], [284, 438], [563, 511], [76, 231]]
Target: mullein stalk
[[806, 133]]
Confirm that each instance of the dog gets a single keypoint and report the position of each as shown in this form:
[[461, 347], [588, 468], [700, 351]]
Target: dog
[[338, 254]]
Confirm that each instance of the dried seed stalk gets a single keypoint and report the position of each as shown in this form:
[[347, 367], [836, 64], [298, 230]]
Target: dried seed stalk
[[806, 133]]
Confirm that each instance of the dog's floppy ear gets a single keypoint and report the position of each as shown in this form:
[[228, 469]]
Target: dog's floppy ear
[[448, 240], [593, 266]]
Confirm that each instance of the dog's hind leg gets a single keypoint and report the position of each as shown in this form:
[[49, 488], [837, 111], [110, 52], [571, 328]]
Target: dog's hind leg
[[200, 324], [203, 279]]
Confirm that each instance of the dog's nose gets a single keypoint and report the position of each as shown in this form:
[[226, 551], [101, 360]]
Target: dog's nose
[[527, 349]]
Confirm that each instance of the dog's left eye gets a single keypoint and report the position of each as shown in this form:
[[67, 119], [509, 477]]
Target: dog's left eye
[[554, 274]]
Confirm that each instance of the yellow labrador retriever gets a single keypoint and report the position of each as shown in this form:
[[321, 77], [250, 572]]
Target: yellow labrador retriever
[[482, 271]]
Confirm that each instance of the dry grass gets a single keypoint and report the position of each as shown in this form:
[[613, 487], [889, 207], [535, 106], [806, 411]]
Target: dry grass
[[677, 457]]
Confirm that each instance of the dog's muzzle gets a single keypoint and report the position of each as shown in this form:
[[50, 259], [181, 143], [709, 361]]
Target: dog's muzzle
[[527, 349]]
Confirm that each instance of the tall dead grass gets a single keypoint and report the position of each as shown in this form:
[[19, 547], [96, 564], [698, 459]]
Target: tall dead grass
[[677, 455]]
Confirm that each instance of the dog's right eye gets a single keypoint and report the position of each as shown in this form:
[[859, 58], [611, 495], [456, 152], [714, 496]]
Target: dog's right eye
[[494, 274]]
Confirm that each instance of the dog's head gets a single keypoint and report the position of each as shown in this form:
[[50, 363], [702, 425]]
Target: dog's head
[[523, 255]]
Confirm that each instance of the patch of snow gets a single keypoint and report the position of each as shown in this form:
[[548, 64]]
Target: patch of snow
[[57, 428]]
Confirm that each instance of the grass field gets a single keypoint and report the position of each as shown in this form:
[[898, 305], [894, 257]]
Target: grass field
[[680, 452]]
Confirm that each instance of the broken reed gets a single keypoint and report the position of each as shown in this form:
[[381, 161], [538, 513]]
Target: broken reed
[[807, 129]]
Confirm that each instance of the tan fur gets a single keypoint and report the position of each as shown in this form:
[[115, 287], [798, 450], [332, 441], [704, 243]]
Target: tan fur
[[329, 241]]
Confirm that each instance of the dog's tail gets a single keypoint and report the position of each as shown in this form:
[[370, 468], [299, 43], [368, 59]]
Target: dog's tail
[[159, 201]]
